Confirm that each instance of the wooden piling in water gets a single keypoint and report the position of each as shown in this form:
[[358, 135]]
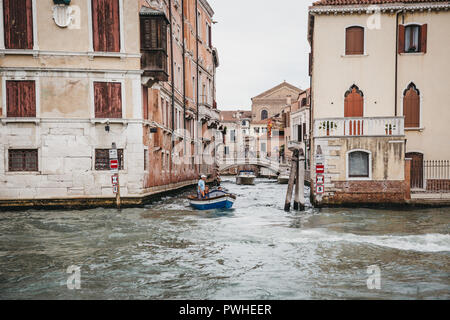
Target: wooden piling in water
[[292, 177]]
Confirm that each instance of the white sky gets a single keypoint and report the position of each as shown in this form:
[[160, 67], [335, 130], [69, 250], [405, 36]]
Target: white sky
[[260, 43]]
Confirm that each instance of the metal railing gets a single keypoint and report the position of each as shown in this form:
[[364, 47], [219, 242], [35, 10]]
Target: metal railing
[[431, 176]]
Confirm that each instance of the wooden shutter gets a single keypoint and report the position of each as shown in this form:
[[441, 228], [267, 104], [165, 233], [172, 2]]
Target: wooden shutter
[[411, 109], [100, 99], [115, 99], [354, 43], [401, 38], [108, 100], [354, 105], [21, 99], [106, 25], [18, 21], [145, 102], [423, 38]]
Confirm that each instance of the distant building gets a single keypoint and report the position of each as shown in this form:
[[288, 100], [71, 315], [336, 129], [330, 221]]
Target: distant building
[[271, 103], [380, 100]]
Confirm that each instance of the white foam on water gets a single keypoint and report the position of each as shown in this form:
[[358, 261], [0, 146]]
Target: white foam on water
[[434, 242]]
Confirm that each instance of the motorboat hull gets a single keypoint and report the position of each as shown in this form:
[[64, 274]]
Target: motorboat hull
[[283, 179], [245, 180]]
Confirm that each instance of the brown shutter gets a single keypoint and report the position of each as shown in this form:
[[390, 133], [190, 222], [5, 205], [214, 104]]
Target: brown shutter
[[18, 21], [354, 105], [106, 25], [354, 40], [113, 26], [100, 98], [411, 109], [401, 38], [423, 38], [115, 100], [21, 99], [12, 98], [145, 102]]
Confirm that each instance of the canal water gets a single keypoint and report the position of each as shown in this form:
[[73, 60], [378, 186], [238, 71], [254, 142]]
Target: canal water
[[256, 251]]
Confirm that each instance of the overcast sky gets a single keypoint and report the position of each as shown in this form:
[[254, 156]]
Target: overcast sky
[[261, 43]]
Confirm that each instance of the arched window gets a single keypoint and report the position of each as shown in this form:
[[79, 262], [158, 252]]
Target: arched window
[[354, 103], [303, 102], [264, 115], [358, 164], [411, 106], [354, 40]]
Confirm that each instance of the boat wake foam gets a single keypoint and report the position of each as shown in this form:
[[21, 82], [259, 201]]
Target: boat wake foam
[[434, 242]]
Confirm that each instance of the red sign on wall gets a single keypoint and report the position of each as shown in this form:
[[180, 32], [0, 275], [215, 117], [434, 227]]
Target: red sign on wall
[[114, 164], [320, 168]]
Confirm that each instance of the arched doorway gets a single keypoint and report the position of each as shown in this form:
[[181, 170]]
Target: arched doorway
[[354, 103]]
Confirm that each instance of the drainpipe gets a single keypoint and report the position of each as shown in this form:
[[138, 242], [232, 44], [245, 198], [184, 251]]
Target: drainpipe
[[184, 72], [173, 71], [396, 60], [197, 82]]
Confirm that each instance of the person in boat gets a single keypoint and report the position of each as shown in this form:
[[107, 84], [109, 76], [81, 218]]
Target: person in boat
[[217, 181], [202, 189]]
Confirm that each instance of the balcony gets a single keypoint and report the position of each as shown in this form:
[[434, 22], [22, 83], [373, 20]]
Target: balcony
[[360, 127]]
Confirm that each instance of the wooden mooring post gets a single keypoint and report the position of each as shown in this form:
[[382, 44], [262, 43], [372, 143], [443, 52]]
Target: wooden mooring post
[[297, 176]]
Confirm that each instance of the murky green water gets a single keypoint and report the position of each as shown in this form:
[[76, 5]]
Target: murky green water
[[256, 251]]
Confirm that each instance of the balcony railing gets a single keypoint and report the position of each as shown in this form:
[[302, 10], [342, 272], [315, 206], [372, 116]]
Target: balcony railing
[[355, 127]]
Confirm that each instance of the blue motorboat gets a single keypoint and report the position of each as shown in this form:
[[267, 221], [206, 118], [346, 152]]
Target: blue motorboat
[[216, 199]]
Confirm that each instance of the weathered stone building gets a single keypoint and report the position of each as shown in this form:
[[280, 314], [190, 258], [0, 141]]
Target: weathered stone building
[[379, 91], [76, 78]]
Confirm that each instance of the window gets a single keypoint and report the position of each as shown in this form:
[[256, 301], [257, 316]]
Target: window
[[299, 133], [233, 135], [354, 40], [354, 103], [256, 129], [303, 102], [18, 24], [23, 160], [105, 25], [264, 115], [227, 150], [145, 102], [199, 28], [412, 38], [145, 160], [208, 34], [358, 164], [263, 147], [21, 99], [108, 100], [102, 159], [411, 106]]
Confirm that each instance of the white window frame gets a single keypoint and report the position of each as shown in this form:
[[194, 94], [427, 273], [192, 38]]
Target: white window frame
[[91, 32], [365, 41], [18, 76], [347, 160], [92, 99], [420, 35], [35, 29]]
